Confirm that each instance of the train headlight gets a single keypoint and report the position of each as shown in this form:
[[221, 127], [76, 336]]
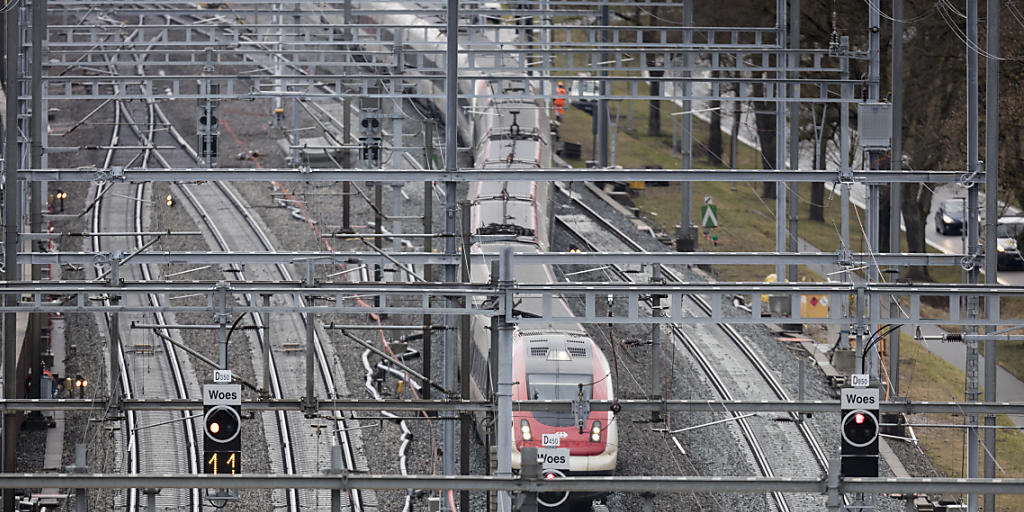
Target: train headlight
[[595, 432], [524, 430]]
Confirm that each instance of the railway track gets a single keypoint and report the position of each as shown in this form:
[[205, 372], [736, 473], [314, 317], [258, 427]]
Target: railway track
[[233, 227], [723, 347], [297, 449], [142, 371], [331, 125]]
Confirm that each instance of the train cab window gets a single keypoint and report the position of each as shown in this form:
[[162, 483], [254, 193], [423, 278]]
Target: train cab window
[[561, 386]]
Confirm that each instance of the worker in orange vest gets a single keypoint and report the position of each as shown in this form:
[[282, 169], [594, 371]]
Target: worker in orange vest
[[559, 101]]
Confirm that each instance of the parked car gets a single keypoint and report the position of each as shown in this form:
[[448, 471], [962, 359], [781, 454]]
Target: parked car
[[1009, 231], [950, 217], [583, 94]]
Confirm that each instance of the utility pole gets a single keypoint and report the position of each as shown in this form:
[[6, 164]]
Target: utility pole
[[465, 335], [780, 141], [656, 348], [845, 172], [602, 102], [971, 366], [686, 236], [895, 192], [38, 120], [428, 244], [346, 130], [12, 221], [991, 207], [451, 165], [503, 422], [874, 190], [794, 133]]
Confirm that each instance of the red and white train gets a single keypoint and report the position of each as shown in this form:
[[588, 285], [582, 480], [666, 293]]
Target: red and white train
[[549, 363], [557, 362]]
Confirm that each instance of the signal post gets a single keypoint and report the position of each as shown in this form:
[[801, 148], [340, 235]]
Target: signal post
[[859, 430], [222, 432]]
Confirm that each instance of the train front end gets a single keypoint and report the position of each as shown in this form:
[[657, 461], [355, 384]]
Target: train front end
[[564, 365]]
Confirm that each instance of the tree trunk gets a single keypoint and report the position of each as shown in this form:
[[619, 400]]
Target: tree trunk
[[654, 109], [881, 161], [817, 207], [917, 201], [734, 135], [764, 118], [715, 131], [883, 218]]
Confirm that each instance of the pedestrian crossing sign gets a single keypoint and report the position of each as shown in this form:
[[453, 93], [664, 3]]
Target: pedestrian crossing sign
[[709, 216]]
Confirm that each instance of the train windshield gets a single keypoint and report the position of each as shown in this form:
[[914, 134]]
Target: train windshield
[[558, 386]]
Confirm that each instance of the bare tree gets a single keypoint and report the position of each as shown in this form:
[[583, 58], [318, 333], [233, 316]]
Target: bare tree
[[715, 130], [654, 109]]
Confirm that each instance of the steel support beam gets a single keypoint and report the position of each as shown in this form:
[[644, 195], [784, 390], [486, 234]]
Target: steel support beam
[[451, 158], [793, 208], [620, 484], [37, 130], [455, 175], [550, 258], [503, 419], [780, 93], [991, 205], [627, 406], [12, 223], [972, 363], [686, 235], [895, 189]]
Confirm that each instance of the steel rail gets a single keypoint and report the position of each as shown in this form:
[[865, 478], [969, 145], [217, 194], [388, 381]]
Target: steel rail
[[756, 450]]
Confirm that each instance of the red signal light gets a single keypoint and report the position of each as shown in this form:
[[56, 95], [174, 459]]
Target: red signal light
[[858, 418], [550, 476]]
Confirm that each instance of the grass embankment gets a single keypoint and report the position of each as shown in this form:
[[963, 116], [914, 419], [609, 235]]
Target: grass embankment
[[927, 377], [747, 223]]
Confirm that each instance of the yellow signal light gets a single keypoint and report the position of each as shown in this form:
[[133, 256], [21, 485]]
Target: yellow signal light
[[170, 200]]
